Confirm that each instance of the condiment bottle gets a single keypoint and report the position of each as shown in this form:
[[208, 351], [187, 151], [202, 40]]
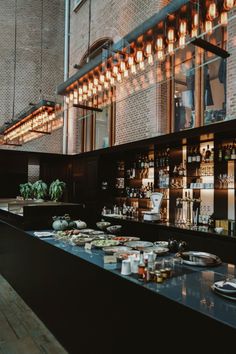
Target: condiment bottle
[[141, 267], [146, 274]]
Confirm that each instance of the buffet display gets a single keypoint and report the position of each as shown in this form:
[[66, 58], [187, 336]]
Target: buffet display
[[146, 261]]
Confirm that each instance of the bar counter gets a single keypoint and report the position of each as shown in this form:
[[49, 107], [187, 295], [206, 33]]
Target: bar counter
[[91, 308]]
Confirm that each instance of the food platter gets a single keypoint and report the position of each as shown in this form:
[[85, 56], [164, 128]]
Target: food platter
[[123, 239], [104, 243], [139, 245], [80, 241], [161, 244], [158, 250], [124, 255], [96, 233], [113, 229], [201, 259], [87, 231], [116, 249]]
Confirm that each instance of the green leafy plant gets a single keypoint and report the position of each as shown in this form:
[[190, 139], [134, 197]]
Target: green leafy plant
[[56, 189], [40, 189], [26, 190]]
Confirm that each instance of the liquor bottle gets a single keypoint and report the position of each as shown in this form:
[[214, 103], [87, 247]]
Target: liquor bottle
[[146, 162], [220, 154], [198, 155], [212, 155], [204, 155], [227, 153], [139, 162], [167, 156], [233, 152], [141, 267], [157, 160], [146, 275], [142, 162], [190, 156], [194, 153], [208, 154]]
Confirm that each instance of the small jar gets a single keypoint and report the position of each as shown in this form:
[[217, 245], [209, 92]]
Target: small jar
[[164, 273], [152, 275], [168, 271], [159, 278]]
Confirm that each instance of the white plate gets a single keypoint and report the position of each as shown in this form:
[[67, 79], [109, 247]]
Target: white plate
[[218, 286], [139, 245], [87, 231], [116, 249], [223, 294], [104, 243], [43, 234], [161, 244]]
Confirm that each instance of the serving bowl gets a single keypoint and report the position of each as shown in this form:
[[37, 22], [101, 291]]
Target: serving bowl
[[114, 229], [102, 225]]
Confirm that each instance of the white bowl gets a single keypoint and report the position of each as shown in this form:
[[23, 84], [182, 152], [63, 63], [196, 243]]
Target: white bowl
[[219, 229]]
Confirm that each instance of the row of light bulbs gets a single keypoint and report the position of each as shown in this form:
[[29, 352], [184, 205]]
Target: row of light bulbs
[[38, 121], [90, 89]]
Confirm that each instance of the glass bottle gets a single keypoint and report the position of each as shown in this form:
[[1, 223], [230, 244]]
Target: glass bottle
[[233, 153], [227, 153], [141, 267], [220, 154], [207, 154], [189, 156], [203, 154]]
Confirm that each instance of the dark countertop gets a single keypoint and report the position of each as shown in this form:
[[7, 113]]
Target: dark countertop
[[190, 286], [200, 230]]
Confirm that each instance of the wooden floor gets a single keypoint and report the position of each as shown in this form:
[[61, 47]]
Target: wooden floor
[[21, 331]]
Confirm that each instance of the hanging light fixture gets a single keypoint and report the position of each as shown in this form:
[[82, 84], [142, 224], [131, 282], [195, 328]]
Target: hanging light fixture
[[170, 40], [224, 18], [139, 55], [33, 122], [41, 118], [212, 11], [208, 27], [170, 33], [85, 86], [229, 4]]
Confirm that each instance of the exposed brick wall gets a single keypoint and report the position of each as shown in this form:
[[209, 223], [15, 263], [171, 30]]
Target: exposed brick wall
[[28, 60], [139, 111], [231, 69]]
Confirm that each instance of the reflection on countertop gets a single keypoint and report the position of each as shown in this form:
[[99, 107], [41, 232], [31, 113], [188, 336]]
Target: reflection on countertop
[[190, 286]]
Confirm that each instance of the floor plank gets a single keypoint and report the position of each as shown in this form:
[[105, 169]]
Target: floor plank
[[21, 331]]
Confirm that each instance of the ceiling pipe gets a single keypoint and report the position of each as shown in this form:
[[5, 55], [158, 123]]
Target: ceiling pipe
[[66, 74]]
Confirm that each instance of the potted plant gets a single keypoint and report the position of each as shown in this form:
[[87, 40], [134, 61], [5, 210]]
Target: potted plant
[[56, 190], [40, 190], [26, 190]]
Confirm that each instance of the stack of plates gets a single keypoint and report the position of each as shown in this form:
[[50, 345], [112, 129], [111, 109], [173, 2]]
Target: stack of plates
[[225, 288]]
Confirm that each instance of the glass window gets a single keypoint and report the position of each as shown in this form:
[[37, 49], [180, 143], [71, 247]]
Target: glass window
[[102, 130], [214, 78], [184, 89]]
